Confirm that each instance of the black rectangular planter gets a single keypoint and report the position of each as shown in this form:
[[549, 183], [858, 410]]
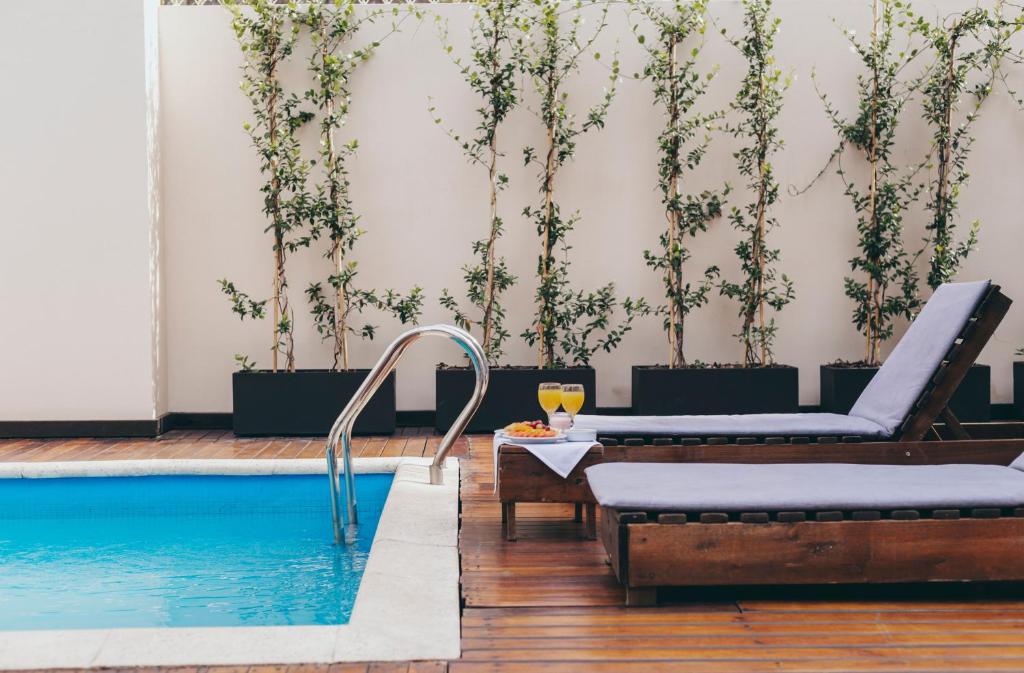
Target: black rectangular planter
[[715, 390], [1018, 389], [306, 402], [841, 386], [511, 395]]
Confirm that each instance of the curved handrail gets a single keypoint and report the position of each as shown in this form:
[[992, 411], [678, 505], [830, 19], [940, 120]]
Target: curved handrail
[[341, 431]]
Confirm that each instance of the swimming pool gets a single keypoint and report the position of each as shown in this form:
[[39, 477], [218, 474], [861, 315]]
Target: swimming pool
[[406, 607], [173, 551]]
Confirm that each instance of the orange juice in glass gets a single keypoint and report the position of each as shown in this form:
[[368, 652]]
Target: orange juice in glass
[[572, 399], [550, 397]]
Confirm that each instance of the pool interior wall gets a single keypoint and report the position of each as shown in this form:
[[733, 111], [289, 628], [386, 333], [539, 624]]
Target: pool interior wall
[[175, 551]]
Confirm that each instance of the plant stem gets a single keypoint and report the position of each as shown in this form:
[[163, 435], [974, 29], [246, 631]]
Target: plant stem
[[337, 253], [757, 249], [945, 150], [874, 317], [492, 170], [547, 351], [676, 315], [340, 313], [546, 354], [275, 195], [281, 307], [492, 176]]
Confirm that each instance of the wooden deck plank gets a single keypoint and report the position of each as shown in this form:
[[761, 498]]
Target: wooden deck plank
[[415, 446], [395, 446], [808, 631], [765, 666], [622, 652], [595, 617]]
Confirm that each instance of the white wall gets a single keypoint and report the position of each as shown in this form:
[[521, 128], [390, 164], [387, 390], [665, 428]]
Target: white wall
[[114, 229], [78, 212], [422, 203]]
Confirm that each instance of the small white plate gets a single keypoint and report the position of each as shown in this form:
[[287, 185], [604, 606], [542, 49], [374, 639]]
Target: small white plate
[[560, 437]]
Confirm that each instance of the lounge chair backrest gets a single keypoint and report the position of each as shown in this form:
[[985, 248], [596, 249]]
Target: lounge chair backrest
[[894, 390], [1018, 464]]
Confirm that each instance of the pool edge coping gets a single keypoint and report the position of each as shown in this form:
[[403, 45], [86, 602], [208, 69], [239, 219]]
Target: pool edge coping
[[416, 517]]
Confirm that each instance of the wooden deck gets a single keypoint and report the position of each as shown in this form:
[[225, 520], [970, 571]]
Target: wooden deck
[[549, 603]]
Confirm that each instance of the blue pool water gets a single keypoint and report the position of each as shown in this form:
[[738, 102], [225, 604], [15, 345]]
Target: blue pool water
[[119, 552]]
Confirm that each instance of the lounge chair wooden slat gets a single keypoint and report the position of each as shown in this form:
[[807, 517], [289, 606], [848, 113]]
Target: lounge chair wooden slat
[[953, 424], [814, 552]]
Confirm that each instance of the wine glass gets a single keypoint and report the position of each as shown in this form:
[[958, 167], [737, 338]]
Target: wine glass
[[572, 399], [550, 397]]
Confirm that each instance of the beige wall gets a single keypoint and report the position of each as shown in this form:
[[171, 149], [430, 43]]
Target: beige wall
[[79, 223], [422, 203]]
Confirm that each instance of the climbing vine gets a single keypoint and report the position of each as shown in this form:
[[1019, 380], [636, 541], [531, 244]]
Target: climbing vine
[[886, 288], [758, 103], [968, 51], [332, 27], [565, 321], [497, 40], [678, 86], [267, 34]]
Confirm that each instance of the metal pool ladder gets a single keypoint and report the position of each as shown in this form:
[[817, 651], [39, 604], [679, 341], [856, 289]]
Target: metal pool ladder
[[341, 431]]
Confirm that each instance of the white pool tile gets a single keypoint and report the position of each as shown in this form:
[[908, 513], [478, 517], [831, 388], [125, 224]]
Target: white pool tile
[[44, 649], [236, 645]]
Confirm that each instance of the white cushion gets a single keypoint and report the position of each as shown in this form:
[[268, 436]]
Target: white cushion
[[738, 425], [721, 487], [892, 392]]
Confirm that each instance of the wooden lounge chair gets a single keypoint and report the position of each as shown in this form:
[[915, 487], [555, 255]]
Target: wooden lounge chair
[[728, 524], [894, 421]]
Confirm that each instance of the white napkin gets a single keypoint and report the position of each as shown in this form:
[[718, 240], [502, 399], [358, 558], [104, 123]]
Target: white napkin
[[561, 457]]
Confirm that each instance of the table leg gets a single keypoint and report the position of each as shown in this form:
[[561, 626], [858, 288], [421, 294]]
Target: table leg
[[510, 523], [591, 524]]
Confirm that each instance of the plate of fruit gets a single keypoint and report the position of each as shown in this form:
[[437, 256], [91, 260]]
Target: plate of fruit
[[532, 432]]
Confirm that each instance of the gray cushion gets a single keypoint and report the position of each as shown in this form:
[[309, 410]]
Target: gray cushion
[[719, 487], [892, 392], [742, 425]]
